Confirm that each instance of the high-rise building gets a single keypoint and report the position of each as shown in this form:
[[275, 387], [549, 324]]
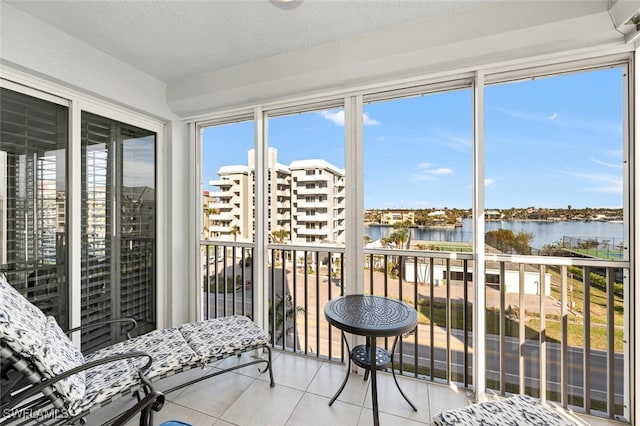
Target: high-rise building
[[305, 200]]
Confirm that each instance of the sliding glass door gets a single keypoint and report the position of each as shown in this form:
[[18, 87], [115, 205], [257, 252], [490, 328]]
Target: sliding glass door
[[33, 194], [118, 226]]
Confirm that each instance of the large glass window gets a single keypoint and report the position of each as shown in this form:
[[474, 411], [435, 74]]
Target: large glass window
[[554, 168], [33, 200], [307, 163], [417, 161], [307, 169], [228, 218], [418, 193], [554, 165]]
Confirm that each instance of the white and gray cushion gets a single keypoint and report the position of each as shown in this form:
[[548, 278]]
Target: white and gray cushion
[[521, 410], [217, 338], [57, 355], [22, 324], [170, 352], [106, 383]]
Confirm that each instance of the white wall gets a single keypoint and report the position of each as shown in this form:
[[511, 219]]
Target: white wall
[[460, 41], [32, 52]]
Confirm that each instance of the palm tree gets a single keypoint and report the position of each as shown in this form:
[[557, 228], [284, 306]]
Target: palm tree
[[282, 310], [279, 236], [235, 230]]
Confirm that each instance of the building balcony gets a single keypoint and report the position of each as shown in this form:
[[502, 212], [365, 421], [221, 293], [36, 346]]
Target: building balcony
[[221, 216], [312, 191], [313, 218], [217, 205], [313, 178], [220, 194], [222, 183], [436, 361], [312, 205], [305, 231], [301, 396]]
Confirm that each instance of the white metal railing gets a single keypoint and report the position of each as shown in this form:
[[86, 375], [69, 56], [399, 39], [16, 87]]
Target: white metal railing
[[562, 341]]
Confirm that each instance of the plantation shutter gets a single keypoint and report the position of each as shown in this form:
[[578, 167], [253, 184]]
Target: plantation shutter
[[33, 189], [118, 223]]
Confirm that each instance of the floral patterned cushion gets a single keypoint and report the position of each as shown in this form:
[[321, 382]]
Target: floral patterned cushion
[[22, 324], [219, 337], [169, 351], [521, 410], [57, 355]]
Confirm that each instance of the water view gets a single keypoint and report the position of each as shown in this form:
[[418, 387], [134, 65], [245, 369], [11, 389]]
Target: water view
[[543, 232]]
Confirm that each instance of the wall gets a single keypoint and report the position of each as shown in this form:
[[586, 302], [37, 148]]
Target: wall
[[32, 51], [461, 41]]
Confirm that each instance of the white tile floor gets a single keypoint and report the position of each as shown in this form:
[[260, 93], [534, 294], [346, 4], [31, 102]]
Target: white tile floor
[[303, 389]]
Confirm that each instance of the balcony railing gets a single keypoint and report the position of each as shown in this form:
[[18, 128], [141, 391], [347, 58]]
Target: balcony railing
[[543, 314]]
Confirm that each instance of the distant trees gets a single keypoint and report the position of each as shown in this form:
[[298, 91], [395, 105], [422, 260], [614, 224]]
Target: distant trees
[[507, 241]]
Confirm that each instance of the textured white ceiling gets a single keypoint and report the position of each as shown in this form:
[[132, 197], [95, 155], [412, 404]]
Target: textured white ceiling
[[175, 39]]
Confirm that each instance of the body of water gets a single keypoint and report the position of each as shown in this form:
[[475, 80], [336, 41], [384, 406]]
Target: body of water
[[543, 232]]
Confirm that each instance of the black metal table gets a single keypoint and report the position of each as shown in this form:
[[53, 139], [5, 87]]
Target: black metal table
[[372, 317]]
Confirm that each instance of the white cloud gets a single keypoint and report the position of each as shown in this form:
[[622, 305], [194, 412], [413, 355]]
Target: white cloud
[[426, 171], [440, 171], [368, 121], [489, 182], [553, 116], [338, 118], [598, 182], [603, 163]]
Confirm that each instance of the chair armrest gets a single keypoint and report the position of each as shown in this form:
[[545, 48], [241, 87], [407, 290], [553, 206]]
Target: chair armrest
[[152, 401], [126, 329], [34, 390]]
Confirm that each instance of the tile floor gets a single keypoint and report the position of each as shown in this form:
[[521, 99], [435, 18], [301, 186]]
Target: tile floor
[[303, 389]]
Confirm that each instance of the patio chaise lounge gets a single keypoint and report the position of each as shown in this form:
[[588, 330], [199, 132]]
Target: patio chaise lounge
[[520, 410], [47, 380]]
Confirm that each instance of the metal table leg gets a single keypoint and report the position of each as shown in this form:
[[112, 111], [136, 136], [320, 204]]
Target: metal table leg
[[393, 371], [374, 383], [344, 383]]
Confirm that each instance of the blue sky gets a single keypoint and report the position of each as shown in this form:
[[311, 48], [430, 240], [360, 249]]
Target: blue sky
[[549, 142]]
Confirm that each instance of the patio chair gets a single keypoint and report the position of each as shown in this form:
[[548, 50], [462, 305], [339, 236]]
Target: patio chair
[[47, 380]]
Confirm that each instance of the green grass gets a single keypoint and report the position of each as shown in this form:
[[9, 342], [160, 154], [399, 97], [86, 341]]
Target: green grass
[[575, 330]]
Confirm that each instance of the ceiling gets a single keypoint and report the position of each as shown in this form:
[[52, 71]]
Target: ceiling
[[172, 40]]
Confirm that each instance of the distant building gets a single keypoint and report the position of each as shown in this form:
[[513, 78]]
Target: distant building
[[306, 199], [493, 215], [391, 217]]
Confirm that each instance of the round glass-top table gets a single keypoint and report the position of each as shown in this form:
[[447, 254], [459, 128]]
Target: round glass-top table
[[371, 316]]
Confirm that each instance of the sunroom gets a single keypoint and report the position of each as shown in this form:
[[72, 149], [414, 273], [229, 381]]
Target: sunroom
[[179, 161]]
